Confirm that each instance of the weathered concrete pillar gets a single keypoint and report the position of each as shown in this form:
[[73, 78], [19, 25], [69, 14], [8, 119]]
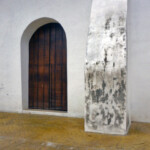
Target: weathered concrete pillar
[[106, 108]]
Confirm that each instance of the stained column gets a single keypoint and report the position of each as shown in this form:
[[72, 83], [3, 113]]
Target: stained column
[[106, 107]]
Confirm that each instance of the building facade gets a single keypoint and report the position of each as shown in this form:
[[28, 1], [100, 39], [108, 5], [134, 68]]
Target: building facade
[[21, 20]]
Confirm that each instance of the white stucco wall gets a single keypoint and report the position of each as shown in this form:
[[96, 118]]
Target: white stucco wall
[[105, 72], [15, 16], [74, 16], [139, 59]]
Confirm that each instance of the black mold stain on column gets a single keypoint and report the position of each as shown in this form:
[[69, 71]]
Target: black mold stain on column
[[106, 70]]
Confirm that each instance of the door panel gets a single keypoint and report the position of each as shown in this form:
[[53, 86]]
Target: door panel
[[48, 68]]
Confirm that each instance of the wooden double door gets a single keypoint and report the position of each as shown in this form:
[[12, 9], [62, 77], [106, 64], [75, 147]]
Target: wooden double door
[[48, 68]]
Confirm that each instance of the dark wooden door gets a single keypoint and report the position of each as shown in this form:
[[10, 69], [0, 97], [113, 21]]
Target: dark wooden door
[[48, 68]]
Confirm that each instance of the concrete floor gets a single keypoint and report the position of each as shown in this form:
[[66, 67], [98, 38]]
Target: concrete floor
[[38, 132]]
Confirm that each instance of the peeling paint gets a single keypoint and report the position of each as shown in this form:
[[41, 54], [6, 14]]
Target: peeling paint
[[105, 69]]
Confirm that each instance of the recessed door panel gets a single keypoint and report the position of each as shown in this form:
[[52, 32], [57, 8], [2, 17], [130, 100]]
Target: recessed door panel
[[48, 68]]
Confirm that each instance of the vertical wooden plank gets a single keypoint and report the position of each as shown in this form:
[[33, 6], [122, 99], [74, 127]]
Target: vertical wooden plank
[[65, 62], [31, 73], [64, 49], [61, 71], [52, 62], [41, 69], [36, 58], [58, 49], [64, 72], [46, 68], [49, 98]]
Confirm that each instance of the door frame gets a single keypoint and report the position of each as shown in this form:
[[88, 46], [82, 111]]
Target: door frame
[[26, 36]]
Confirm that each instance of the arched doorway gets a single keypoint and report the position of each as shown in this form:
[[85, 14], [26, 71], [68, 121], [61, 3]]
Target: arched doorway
[[48, 68]]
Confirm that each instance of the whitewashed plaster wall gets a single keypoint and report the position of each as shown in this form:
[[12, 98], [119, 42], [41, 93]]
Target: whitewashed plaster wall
[[15, 17], [139, 59], [106, 105], [74, 15]]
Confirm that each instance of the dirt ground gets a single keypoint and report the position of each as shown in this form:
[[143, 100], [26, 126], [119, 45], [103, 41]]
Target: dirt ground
[[39, 132]]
